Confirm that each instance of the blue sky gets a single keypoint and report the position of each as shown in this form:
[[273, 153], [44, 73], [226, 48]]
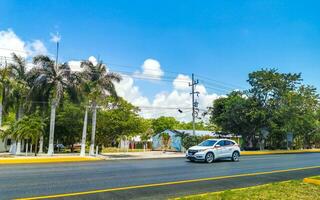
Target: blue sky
[[224, 40]]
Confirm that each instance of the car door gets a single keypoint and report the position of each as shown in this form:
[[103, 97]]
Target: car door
[[228, 145], [220, 149]]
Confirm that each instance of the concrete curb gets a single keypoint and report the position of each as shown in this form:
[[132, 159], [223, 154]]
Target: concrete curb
[[5, 161], [312, 181]]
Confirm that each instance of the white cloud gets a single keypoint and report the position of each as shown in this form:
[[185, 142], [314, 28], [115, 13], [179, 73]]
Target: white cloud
[[93, 60], [130, 92], [166, 103], [55, 37], [75, 64], [36, 48], [11, 43], [151, 69], [181, 82]]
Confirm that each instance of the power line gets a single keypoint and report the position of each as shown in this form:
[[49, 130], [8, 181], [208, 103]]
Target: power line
[[208, 84], [12, 50], [219, 82]]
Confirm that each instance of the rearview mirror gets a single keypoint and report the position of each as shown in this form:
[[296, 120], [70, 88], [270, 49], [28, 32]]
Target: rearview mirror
[[217, 145]]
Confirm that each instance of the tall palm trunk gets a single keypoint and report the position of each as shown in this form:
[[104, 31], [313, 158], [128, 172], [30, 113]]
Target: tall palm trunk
[[36, 147], [41, 137], [41, 144], [84, 134], [93, 133], [0, 114], [19, 116], [52, 123]]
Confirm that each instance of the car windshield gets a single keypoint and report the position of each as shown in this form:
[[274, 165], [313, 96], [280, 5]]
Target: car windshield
[[207, 143]]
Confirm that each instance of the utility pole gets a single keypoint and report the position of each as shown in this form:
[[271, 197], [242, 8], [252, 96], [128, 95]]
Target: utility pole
[[57, 54], [194, 103]]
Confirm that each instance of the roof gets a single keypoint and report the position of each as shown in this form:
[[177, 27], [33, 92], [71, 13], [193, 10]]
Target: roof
[[205, 133], [197, 132]]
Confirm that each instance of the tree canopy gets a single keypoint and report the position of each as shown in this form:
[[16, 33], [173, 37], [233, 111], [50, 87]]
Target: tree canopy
[[276, 104]]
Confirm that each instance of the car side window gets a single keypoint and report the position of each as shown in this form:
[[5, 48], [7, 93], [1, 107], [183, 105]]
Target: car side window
[[221, 143], [227, 143]]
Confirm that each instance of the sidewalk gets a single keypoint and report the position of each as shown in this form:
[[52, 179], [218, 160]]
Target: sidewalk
[[160, 154], [141, 155]]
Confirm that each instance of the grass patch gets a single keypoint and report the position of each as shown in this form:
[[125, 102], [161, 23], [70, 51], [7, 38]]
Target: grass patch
[[316, 177], [289, 190]]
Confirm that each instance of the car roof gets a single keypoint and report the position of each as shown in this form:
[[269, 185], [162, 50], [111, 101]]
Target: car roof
[[219, 139]]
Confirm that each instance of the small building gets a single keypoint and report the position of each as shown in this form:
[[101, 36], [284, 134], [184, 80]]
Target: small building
[[5, 143], [175, 143]]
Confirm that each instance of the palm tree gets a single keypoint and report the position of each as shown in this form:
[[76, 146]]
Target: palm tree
[[99, 83], [20, 89], [27, 127], [53, 79], [4, 87], [31, 127], [39, 99]]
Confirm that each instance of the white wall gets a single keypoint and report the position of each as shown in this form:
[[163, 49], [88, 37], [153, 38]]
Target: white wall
[[2, 146]]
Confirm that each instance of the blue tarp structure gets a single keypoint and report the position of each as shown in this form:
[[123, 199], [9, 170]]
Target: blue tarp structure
[[175, 140]]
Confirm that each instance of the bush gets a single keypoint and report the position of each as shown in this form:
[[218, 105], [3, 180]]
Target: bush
[[191, 140]]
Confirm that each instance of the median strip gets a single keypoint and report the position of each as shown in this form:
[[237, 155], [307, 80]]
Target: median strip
[[164, 184], [286, 190]]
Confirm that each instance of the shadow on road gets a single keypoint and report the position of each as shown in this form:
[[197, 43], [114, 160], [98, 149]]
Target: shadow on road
[[216, 161]]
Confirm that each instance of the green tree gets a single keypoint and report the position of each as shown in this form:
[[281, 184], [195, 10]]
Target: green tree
[[54, 79], [162, 123], [119, 120], [237, 114], [147, 133], [29, 127], [69, 124], [4, 90], [20, 88], [276, 103], [99, 83]]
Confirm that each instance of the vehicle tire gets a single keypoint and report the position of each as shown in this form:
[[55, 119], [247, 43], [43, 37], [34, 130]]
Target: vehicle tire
[[209, 157], [235, 156]]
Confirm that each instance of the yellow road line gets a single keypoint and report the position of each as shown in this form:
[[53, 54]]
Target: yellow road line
[[164, 184]]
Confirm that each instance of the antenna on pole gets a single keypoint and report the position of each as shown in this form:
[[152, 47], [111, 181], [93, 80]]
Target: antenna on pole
[[194, 103]]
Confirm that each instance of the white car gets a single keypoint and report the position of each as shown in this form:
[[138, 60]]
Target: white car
[[213, 149]]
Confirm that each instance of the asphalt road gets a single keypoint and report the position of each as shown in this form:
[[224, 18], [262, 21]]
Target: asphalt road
[[36, 180]]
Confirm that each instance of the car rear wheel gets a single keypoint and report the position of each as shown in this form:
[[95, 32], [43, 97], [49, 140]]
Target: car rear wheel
[[209, 157], [235, 156]]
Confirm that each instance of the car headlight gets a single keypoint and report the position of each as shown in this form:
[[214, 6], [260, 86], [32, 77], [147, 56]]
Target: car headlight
[[201, 150]]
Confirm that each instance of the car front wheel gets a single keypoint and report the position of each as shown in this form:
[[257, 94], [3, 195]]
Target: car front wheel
[[235, 156], [209, 157]]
